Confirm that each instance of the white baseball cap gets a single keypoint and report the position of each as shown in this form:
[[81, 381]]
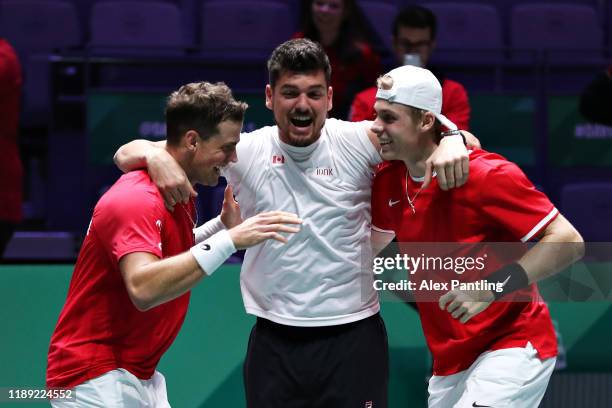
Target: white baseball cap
[[416, 87]]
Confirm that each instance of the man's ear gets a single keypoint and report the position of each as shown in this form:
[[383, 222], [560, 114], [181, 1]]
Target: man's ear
[[269, 97], [427, 121], [190, 140], [330, 98]]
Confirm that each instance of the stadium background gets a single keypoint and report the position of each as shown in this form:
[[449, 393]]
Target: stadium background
[[91, 85]]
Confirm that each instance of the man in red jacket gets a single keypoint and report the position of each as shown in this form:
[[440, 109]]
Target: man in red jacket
[[414, 39]]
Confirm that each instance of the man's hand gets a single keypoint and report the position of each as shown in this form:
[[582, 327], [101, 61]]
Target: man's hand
[[450, 162], [169, 178], [471, 140], [263, 226], [464, 305], [230, 212]]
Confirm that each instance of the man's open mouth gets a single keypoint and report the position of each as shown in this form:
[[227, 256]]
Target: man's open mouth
[[301, 120]]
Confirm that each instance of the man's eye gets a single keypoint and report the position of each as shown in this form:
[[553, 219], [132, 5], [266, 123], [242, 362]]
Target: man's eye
[[315, 95], [290, 94]]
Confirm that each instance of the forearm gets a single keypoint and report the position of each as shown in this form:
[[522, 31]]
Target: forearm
[[163, 280], [134, 154], [208, 229], [560, 246]]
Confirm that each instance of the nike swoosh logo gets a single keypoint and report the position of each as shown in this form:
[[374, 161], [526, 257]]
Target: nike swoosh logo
[[478, 405], [506, 281], [392, 203]]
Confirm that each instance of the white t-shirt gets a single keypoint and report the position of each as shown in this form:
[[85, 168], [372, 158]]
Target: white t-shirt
[[322, 276]]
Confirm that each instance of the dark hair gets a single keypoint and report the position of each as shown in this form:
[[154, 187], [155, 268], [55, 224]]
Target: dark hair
[[298, 55], [200, 106], [355, 28], [415, 16]]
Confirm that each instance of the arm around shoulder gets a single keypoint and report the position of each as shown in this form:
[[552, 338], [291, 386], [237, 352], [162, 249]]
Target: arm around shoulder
[[165, 172], [135, 154]]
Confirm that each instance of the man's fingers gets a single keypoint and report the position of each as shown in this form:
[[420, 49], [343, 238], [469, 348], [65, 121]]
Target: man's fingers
[[444, 299], [184, 193], [459, 311], [427, 178], [169, 199], [459, 175], [454, 305], [465, 167], [228, 194], [466, 317], [176, 196], [280, 218], [281, 228], [449, 169], [441, 176], [277, 237], [187, 191], [277, 213], [192, 191]]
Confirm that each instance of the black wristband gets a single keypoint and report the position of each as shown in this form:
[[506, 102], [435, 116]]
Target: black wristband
[[511, 278], [453, 133]]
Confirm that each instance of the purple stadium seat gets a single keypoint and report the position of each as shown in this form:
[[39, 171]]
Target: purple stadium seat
[[565, 33], [136, 28], [35, 25], [37, 28], [381, 15], [589, 207], [468, 33], [244, 28]]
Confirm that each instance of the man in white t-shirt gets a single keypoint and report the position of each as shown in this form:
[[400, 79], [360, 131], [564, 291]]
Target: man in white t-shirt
[[319, 340]]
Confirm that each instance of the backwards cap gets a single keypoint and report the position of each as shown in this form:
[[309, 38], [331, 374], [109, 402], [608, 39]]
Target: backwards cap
[[416, 87]]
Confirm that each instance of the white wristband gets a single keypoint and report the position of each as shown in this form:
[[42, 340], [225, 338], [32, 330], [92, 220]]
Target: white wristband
[[208, 229], [211, 253]]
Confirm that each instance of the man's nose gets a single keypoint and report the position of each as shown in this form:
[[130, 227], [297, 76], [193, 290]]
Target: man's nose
[[233, 158], [377, 127], [302, 102]]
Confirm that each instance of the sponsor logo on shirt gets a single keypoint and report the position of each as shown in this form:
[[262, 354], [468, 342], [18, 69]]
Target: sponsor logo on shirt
[[278, 160], [324, 171], [392, 203]]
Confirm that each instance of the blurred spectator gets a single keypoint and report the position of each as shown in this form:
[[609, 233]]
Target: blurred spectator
[[596, 99], [414, 39], [344, 33], [11, 172]]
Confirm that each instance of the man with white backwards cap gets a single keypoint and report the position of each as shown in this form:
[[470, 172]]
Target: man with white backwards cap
[[491, 348]]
